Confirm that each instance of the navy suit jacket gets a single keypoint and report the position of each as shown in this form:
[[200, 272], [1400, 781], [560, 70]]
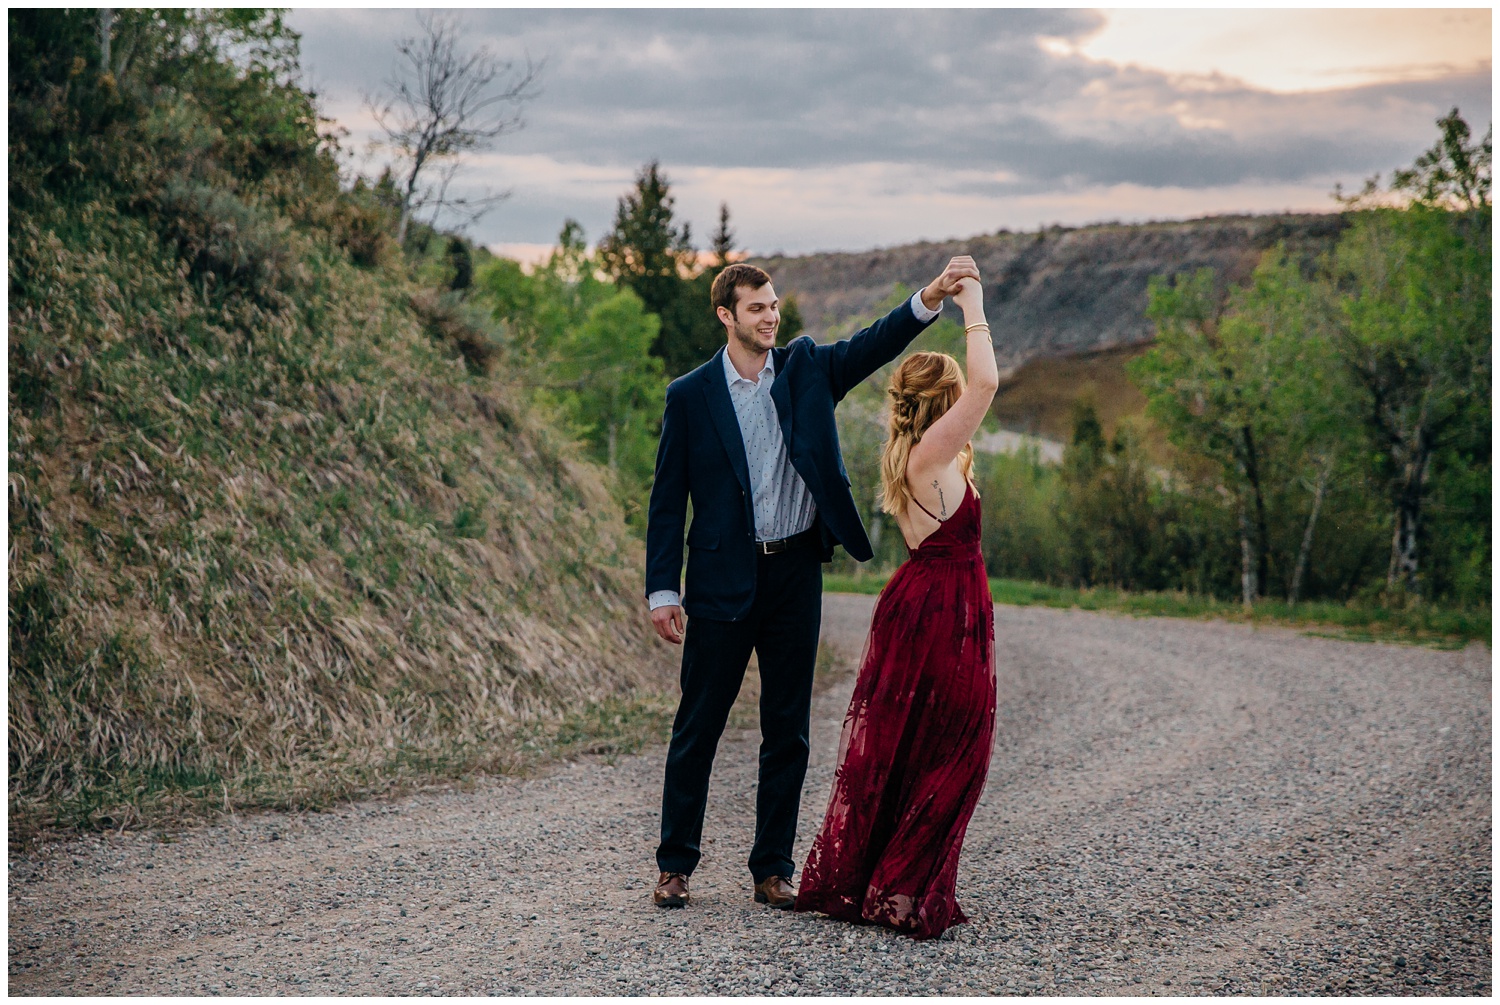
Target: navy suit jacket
[[701, 456]]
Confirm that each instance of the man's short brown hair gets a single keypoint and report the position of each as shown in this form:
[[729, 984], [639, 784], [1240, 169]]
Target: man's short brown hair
[[723, 294]]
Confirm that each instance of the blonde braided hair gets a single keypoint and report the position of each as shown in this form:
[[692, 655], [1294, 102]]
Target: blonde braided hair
[[922, 389]]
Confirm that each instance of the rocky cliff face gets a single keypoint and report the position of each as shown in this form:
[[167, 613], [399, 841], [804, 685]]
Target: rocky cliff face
[[1058, 291]]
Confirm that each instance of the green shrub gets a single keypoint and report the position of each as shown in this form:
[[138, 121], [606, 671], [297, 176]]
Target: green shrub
[[1023, 538], [223, 240]]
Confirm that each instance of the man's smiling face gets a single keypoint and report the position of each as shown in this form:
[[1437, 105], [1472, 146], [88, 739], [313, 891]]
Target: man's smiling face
[[757, 315]]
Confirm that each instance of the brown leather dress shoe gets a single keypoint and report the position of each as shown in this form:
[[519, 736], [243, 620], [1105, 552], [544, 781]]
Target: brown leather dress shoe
[[776, 891], [671, 890]]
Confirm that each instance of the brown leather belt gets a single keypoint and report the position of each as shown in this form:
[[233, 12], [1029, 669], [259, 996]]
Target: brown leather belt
[[807, 539]]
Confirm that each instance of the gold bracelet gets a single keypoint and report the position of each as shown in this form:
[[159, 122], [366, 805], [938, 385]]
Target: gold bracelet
[[976, 324]]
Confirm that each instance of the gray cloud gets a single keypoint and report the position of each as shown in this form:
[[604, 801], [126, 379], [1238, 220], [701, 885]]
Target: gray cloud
[[966, 91]]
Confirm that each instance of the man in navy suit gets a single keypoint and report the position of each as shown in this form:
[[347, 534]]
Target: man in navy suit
[[749, 438]]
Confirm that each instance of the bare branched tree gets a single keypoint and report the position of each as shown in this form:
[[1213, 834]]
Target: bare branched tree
[[440, 103]]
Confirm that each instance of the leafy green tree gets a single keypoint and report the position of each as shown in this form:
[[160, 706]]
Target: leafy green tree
[[1416, 332], [1310, 441], [1082, 460], [1457, 541], [612, 390], [1087, 441], [1134, 549], [460, 264], [540, 308], [691, 330], [1416, 336], [1110, 510], [584, 347], [1309, 386], [1206, 381], [1023, 533], [1455, 173], [1253, 384]]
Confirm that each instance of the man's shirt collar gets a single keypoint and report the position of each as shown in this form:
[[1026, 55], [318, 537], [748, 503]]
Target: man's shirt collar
[[731, 374]]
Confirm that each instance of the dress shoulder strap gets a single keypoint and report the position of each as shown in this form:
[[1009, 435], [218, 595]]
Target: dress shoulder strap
[[924, 509]]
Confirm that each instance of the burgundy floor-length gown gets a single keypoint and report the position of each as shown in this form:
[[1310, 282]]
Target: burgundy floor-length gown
[[916, 743]]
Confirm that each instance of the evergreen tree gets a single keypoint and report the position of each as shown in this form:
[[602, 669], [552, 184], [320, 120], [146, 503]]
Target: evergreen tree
[[1082, 461], [649, 253], [691, 330], [461, 264], [791, 320], [645, 250], [723, 239]]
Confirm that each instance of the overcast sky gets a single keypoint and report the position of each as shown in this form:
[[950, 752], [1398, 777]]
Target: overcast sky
[[848, 130]]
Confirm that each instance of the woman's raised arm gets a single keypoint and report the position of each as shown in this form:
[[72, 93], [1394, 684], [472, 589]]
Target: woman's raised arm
[[946, 437]]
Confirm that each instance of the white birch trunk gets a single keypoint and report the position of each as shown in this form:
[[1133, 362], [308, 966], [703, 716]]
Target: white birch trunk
[[1307, 535]]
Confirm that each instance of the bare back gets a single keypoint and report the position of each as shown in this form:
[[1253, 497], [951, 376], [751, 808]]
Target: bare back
[[933, 476], [934, 501]]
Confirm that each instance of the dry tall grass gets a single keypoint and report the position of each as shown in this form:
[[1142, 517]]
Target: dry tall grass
[[276, 551]]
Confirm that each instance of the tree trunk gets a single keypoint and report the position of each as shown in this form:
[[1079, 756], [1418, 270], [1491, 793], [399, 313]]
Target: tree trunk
[[1248, 589], [613, 429], [1405, 536], [1252, 472], [106, 30], [1404, 552], [1307, 535], [411, 187]]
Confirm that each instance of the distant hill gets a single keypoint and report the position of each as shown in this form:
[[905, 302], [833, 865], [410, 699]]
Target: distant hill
[[1053, 292]]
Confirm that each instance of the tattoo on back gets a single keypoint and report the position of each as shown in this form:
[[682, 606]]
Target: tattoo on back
[[942, 506]]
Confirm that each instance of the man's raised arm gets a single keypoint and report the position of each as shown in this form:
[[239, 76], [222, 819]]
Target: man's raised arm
[[855, 358]]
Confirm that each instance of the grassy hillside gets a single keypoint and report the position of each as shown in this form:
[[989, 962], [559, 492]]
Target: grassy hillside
[[276, 536], [284, 553]]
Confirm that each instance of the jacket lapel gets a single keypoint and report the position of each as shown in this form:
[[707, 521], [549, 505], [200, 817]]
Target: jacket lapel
[[726, 424], [781, 395]]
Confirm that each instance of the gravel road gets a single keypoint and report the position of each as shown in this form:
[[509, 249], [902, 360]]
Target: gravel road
[[1174, 806]]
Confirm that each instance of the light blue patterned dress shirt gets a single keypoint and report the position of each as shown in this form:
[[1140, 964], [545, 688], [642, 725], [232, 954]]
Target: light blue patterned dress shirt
[[779, 497], [783, 506]]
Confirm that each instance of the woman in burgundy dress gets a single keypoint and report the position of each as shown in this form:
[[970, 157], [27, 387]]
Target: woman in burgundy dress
[[916, 742]]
